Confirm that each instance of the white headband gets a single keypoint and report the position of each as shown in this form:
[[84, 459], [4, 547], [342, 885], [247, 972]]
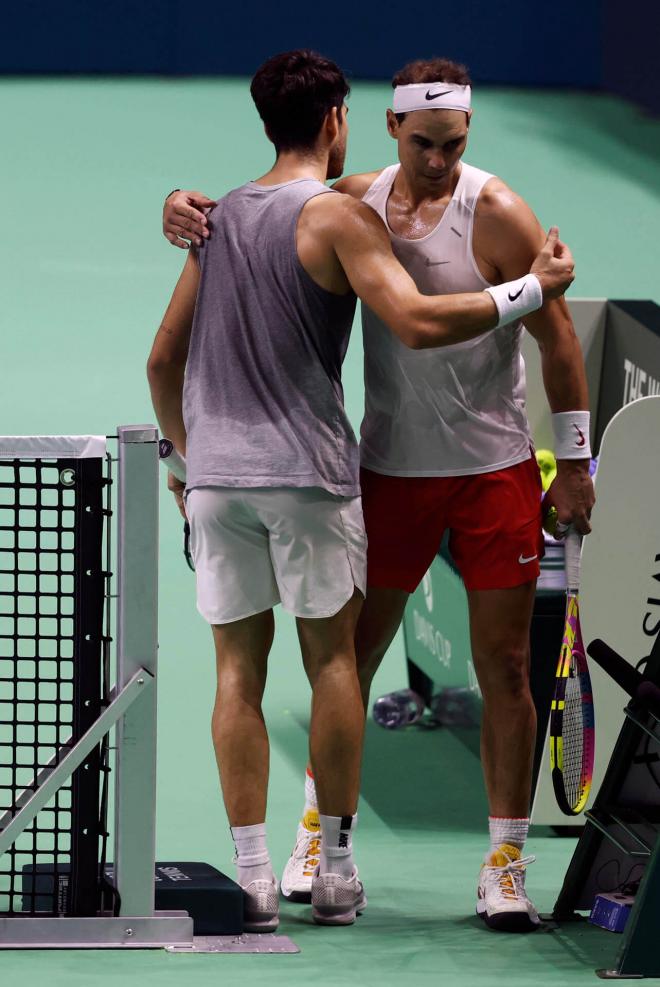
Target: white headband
[[432, 95]]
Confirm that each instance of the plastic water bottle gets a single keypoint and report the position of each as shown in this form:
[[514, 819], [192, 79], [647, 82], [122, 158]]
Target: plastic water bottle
[[454, 706], [398, 709]]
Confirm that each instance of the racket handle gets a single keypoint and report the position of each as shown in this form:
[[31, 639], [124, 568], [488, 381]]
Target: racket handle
[[572, 556], [173, 460]]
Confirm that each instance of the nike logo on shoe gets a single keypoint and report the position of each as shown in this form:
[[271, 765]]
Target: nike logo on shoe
[[430, 95], [436, 263], [580, 441], [523, 561], [512, 298]]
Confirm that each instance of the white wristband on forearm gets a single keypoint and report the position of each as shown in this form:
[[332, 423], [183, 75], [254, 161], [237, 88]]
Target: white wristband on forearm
[[515, 299], [571, 431], [173, 460]]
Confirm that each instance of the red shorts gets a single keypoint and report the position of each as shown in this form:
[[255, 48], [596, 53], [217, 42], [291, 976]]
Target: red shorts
[[493, 519]]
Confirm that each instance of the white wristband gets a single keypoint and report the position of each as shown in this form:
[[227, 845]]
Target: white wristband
[[514, 299], [173, 460], [571, 431]]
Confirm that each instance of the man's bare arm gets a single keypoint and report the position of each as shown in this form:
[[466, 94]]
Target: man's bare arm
[[363, 248], [356, 185], [507, 236], [184, 218], [167, 361]]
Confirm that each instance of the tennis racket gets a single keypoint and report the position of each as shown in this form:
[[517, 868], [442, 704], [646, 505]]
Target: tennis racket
[[175, 463], [572, 712]]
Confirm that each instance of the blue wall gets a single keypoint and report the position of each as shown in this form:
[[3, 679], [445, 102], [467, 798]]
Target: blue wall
[[510, 42], [580, 43], [631, 47]]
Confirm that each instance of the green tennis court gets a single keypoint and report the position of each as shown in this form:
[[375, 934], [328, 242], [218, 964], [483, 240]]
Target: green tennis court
[[87, 276]]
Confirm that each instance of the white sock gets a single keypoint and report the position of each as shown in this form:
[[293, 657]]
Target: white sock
[[252, 857], [337, 845], [311, 803], [511, 831]]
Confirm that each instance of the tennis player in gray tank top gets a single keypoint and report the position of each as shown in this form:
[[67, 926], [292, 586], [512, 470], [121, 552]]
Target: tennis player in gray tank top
[[276, 339], [260, 324]]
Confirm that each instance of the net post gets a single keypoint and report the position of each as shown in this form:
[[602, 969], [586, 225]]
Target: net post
[[137, 647]]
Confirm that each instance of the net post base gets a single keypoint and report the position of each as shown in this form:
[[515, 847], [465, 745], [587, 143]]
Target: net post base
[[157, 931]]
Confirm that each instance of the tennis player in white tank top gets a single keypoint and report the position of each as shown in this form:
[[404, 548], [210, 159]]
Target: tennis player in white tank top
[[446, 446]]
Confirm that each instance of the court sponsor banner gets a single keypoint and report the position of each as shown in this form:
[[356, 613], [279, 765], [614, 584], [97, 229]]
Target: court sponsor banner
[[437, 630], [631, 359]]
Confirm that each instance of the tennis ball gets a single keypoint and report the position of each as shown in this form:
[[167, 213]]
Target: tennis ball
[[550, 521], [548, 466]]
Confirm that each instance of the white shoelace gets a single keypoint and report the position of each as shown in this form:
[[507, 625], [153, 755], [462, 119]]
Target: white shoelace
[[510, 876], [308, 849]]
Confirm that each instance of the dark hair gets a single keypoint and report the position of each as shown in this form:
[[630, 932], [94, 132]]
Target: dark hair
[[430, 70], [293, 93]]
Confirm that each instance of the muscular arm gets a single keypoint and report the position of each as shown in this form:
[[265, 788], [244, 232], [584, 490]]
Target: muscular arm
[[169, 353], [363, 249], [507, 236], [356, 185], [184, 212]]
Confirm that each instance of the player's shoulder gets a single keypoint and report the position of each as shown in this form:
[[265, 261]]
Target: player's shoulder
[[357, 186], [337, 206], [500, 209], [335, 216], [497, 199]]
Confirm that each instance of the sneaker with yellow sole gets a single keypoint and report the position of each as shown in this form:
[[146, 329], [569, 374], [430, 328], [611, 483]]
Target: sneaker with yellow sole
[[296, 882], [502, 901]]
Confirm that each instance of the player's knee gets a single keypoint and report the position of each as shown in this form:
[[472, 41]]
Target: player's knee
[[238, 684], [369, 658], [508, 679], [324, 665]]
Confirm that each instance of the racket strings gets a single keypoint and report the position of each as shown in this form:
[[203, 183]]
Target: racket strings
[[573, 737]]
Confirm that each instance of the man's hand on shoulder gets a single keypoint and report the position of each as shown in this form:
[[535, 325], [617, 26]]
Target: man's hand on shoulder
[[507, 234], [184, 218], [509, 242]]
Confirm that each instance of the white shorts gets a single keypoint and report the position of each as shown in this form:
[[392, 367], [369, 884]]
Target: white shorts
[[255, 547]]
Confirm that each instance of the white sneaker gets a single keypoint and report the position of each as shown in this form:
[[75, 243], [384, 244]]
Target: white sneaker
[[297, 877], [501, 899], [261, 906], [336, 901]]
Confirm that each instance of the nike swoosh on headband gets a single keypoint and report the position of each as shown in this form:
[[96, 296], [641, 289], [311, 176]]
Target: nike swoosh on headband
[[512, 298], [435, 95]]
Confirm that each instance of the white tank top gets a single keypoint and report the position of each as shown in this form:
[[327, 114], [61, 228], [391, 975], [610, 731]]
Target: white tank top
[[452, 411]]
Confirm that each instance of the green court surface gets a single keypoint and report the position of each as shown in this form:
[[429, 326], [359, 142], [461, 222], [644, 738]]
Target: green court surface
[[86, 278]]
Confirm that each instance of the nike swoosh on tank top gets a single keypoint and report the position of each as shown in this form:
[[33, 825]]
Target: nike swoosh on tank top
[[452, 411]]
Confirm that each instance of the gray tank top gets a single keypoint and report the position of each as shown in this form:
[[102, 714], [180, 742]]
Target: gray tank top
[[262, 397]]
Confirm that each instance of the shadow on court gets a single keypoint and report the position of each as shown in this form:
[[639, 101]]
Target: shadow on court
[[424, 779], [574, 947], [614, 134], [418, 778]]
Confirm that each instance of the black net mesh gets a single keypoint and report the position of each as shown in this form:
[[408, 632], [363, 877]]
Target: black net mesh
[[51, 610]]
